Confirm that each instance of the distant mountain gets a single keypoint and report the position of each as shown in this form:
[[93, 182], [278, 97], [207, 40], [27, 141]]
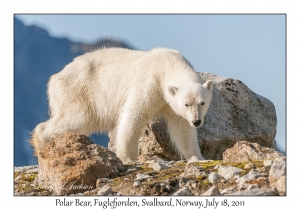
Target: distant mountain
[[37, 56]]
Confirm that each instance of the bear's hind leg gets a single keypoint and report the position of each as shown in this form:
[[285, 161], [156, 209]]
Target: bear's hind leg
[[127, 136]]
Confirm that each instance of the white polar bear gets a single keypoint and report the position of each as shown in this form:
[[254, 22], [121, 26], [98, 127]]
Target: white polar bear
[[125, 89]]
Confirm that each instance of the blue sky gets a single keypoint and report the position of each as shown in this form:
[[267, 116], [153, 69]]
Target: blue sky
[[250, 48]]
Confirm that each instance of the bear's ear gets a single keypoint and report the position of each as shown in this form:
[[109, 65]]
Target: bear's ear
[[209, 85], [172, 90]]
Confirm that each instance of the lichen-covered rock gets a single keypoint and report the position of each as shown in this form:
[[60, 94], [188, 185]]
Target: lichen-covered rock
[[236, 113], [246, 151], [72, 163]]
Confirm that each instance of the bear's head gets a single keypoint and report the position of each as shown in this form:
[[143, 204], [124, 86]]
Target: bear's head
[[191, 101]]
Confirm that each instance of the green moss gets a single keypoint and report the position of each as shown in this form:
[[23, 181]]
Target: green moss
[[200, 178], [180, 164], [206, 182], [210, 164]]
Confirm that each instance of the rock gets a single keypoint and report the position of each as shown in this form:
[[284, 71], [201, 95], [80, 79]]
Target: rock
[[246, 151], [277, 170], [105, 190], [277, 175], [131, 169], [252, 186], [72, 163], [136, 184], [193, 171], [193, 159], [280, 185], [213, 191], [182, 181], [241, 182], [102, 181], [213, 177], [268, 163], [159, 166], [255, 192], [249, 165], [236, 113], [140, 176], [228, 190], [183, 191], [228, 172], [252, 175]]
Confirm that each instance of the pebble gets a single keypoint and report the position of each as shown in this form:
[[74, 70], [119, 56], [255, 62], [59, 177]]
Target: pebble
[[136, 184], [193, 159], [213, 177], [250, 165], [158, 166], [140, 176], [228, 172], [213, 191], [105, 190], [252, 186], [183, 191]]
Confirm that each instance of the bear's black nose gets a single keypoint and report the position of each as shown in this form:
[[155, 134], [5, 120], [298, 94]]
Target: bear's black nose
[[196, 122]]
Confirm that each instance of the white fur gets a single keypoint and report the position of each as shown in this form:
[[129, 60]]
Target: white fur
[[125, 89]]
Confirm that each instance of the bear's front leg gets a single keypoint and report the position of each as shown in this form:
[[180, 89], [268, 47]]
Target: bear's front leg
[[184, 137]]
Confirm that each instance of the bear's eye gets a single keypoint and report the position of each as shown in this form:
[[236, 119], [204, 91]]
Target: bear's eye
[[186, 105], [202, 103]]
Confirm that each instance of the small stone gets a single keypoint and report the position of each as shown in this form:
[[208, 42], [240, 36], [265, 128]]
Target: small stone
[[183, 191], [140, 176], [193, 159], [252, 175], [137, 184], [159, 166], [213, 177], [131, 170], [224, 191], [126, 179], [193, 171], [252, 186], [105, 190], [268, 163], [250, 165], [228, 172], [213, 191], [182, 181], [118, 194]]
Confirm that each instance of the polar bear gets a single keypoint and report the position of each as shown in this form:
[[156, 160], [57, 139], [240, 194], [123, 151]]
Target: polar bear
[[123, 89]]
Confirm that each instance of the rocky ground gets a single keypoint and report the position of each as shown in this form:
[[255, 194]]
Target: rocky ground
[[157, 177]]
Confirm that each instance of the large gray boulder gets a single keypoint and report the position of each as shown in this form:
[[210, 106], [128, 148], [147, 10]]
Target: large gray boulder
[[236, 113]]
